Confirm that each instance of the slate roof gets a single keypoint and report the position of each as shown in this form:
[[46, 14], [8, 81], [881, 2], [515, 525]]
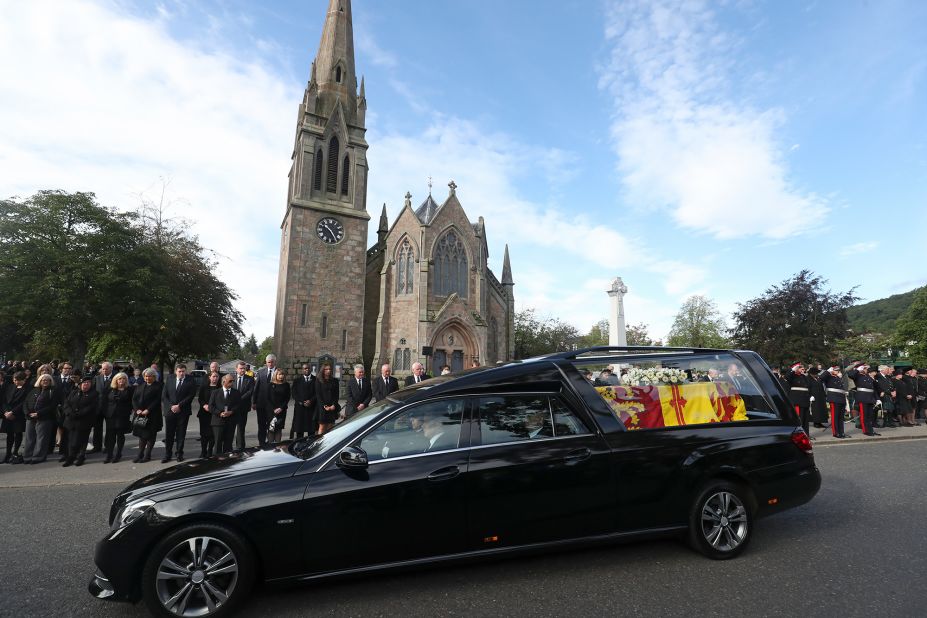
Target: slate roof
[[426, 212]]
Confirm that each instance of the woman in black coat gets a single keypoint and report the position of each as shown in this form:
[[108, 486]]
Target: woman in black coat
[[279, 399], [41, 406], [146, 403], [327, 391], [304, 420], [14, 417], [118, 416], [204, 416], [80, 413]]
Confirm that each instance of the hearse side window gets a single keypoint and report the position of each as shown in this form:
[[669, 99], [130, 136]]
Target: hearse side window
[[424, 428], [668, 391], [513, 418]]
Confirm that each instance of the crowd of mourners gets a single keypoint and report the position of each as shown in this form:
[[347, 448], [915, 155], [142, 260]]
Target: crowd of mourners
[[50, 408]]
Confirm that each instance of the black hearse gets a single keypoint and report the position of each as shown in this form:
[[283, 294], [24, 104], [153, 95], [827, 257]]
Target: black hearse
[[536, 454]]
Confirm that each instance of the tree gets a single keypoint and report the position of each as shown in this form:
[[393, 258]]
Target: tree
[[250, 347], [535, 336], [911, 329], [698, 325], [598, 335], [862, 347], [638, 335], [267, 347], [796, 320], [78, 278]]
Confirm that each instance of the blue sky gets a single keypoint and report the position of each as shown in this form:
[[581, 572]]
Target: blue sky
[[711, 148]]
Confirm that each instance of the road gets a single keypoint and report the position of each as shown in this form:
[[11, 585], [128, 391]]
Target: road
[[858, 549]]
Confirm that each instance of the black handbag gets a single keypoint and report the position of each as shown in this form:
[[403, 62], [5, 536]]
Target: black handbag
[[139, 422]]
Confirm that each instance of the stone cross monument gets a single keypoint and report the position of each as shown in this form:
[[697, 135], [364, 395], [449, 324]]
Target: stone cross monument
[[617, 331]]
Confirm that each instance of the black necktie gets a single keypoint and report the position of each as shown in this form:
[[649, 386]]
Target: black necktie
[[226, 393], [239, 382]]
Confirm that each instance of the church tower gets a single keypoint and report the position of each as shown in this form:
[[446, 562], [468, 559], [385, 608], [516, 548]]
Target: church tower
[[320, 285]]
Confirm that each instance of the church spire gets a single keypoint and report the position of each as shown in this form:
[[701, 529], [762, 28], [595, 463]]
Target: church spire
[[335, 60], [507, 268], [383, 229]]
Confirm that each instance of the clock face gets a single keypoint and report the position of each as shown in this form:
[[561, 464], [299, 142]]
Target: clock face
[[330, 230]]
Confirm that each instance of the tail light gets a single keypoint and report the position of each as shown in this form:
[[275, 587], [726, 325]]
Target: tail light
[[801, 440]]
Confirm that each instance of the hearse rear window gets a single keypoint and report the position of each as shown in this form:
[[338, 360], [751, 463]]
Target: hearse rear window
[[670, 391]]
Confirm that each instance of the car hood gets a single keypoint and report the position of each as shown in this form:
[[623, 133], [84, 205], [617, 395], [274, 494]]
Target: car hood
[[219, 471]]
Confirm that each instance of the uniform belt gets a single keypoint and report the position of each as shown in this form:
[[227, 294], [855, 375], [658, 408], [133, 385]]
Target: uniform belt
[[799, 388], [864, 390], [837, 390]]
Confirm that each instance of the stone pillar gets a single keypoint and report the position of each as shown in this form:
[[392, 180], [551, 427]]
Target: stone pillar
[[617, 329]]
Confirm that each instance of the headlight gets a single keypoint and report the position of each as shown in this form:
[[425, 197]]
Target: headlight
[[131, 512]]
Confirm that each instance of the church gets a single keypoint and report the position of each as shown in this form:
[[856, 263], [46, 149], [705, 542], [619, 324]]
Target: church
[[422, 293]]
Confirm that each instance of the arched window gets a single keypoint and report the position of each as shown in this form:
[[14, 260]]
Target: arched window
[[317, 171], [345, 173], [406, 359], [338, 74], [397, 359], [450, 266], [331, 181], [405, 268]]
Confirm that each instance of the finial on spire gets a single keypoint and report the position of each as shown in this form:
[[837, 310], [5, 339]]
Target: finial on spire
[[453, 187], [429, 185], [408, 199], [507, 268]]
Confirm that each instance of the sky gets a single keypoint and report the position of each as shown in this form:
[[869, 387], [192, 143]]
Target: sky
[[689, 147]]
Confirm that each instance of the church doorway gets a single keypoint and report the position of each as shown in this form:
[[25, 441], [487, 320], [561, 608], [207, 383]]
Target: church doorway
[[453, 345]]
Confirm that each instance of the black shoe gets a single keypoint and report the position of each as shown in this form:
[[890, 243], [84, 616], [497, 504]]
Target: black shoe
[[819, 426], [16, 460], [179, 458], [138, 458], [117, 458], [165, 460], [93, 450], [841, 436], [62, 458], [108, 459], [67, 463], [875, 433], [79, 462]]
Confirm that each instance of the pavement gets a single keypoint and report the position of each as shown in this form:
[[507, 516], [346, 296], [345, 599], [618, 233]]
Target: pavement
[[825, 436]]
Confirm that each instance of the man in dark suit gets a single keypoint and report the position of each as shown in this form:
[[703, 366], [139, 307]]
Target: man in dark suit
[[418, 374], [359, 392], [102, 384], [244, 384], [385, 384], [261, 399], [176, 403], [304, 410], [222, 405]]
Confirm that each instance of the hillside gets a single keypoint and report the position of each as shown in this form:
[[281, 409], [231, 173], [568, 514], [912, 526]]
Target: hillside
[[879, 316]]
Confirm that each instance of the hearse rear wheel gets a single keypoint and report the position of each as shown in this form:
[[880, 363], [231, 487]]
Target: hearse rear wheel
[[721, 520]]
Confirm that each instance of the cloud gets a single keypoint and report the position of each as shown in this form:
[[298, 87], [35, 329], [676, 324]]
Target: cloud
[[684, 142], [860, 247], [101, 100]]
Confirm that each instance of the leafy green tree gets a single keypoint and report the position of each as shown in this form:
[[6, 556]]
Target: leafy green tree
[[638, 335], [535, 336], [78, 280], [267, 347], [66, 271], [911, 329], [598, 335], [799, 319], [250, 347], [698, 325], [862, 347]]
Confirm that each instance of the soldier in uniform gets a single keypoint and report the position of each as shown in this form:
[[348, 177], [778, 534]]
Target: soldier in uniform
[[800, 392], [864, 378], [836, 397], [886, 396], [921, 395], [818, 399]]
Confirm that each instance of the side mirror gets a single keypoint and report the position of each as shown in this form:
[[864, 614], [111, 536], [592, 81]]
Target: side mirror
[[353, 457]]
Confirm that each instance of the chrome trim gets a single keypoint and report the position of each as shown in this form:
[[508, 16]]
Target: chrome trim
[[416, 455], [533, 440]]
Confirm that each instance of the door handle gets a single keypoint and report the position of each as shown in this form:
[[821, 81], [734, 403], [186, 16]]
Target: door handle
[[443, 474], [577, 456]]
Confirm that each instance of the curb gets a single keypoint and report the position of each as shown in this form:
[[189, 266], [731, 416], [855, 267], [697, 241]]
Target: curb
[[866, 440]]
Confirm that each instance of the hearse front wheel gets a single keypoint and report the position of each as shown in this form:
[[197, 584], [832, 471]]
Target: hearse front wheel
[[721, 520], [198, 570]]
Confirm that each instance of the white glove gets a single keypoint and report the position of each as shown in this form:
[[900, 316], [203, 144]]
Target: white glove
[[812, 399], [878, 404]]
